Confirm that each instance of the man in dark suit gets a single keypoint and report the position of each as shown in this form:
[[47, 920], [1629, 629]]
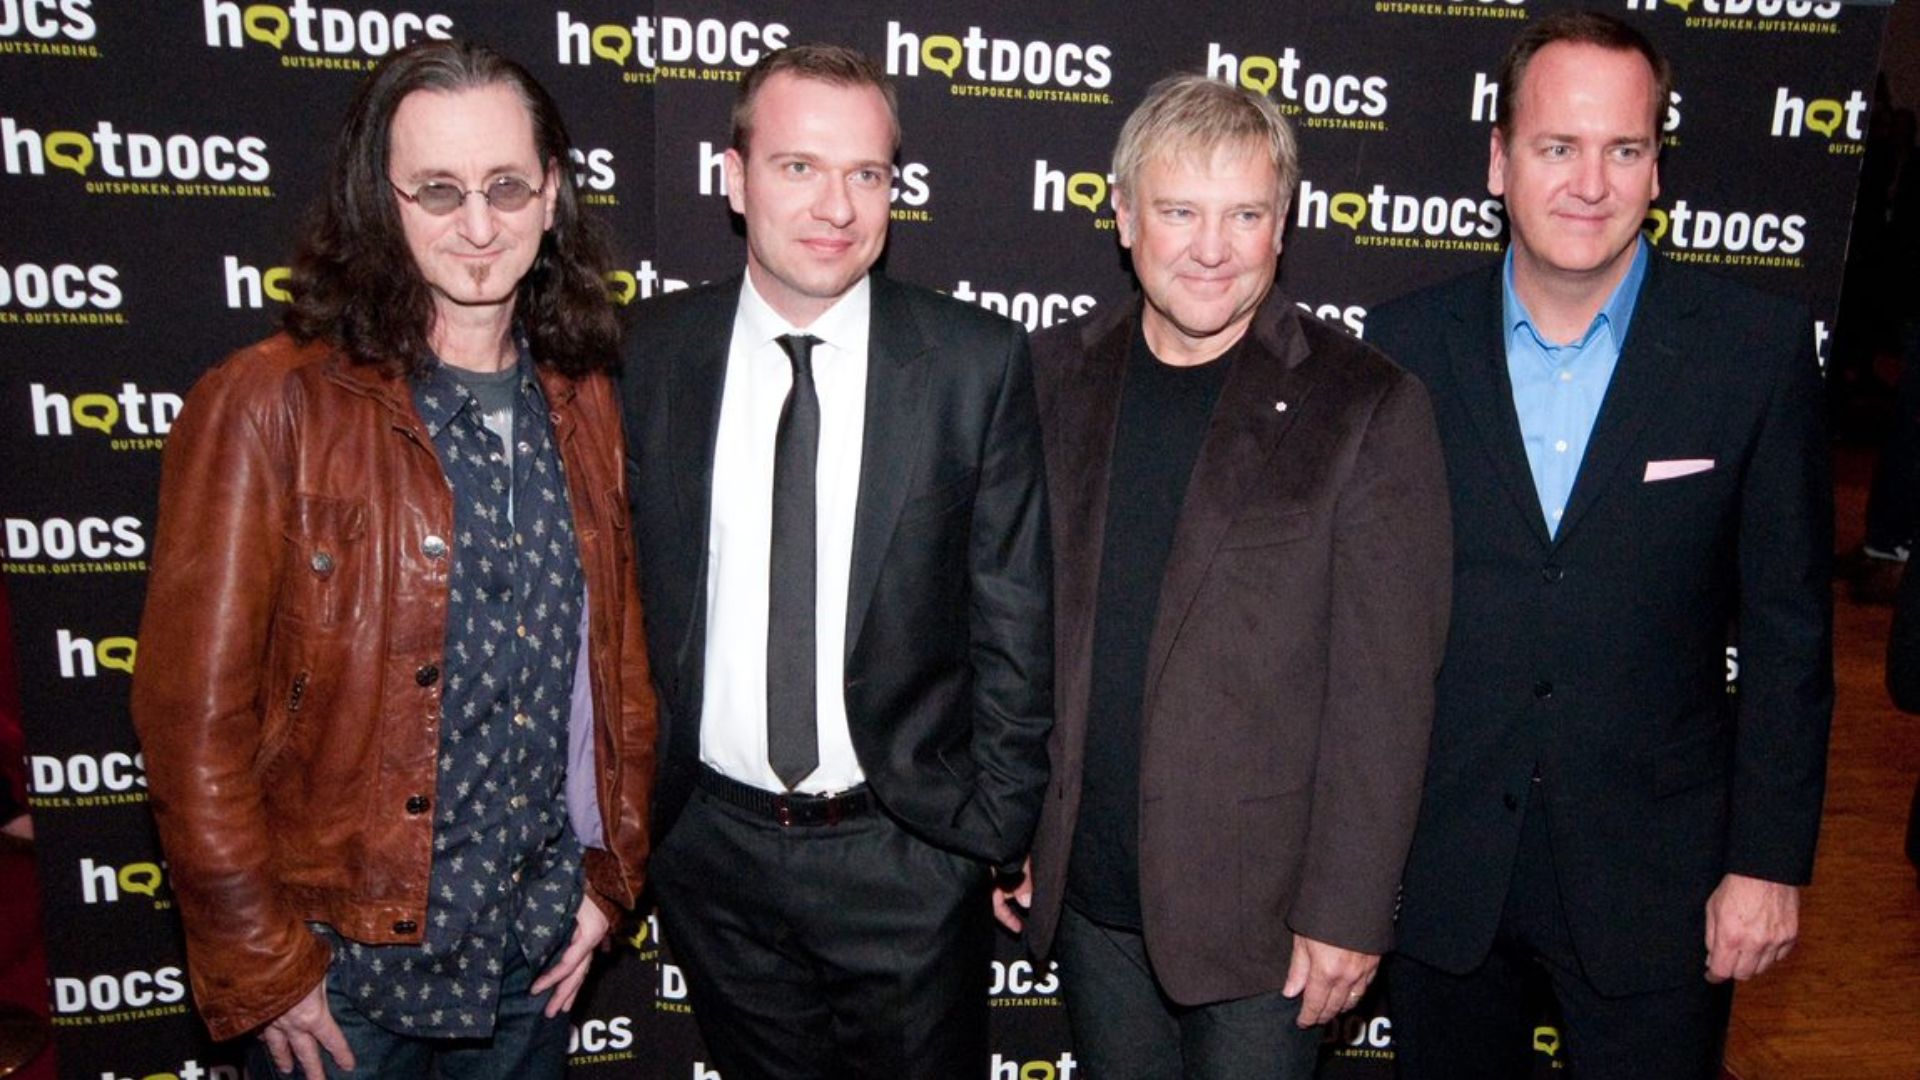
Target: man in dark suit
[[1250, 518], [1637, 462], [843, 526]]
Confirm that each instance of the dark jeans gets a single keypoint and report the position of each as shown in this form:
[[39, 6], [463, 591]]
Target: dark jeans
[[1125, 1028], [525, 1044], [1481, 1024]]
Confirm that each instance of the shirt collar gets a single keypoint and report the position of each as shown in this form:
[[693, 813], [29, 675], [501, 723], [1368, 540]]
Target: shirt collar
[[1616, 314], [843, 326], [438, 397]]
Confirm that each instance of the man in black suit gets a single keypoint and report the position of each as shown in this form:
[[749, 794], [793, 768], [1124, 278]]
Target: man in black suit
[[1637, 459], [843, 530]]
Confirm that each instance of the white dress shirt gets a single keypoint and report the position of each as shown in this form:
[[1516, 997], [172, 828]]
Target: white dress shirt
[[733, 721]]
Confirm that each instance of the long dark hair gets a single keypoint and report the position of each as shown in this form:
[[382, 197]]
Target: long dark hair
[[354, 281]]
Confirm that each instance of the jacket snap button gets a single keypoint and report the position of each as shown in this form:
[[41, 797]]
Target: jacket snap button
[[405, 926], [1543, 689], [417, 804], [322, 563], [427, 675], [434, 547]]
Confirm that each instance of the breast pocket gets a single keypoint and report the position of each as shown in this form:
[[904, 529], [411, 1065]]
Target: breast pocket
[[326, 548], [1267, 529], [946, 497]]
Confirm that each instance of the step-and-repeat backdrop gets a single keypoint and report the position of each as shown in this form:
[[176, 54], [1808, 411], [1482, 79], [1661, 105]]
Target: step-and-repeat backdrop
[[158, 156]]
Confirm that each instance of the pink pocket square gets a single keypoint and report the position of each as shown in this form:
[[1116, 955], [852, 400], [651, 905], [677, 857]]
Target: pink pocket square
[[1667, 470]]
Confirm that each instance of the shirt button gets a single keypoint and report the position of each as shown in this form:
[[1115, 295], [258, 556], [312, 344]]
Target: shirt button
[[1557, 513], [427, 675], [433, 547], [1561, 446], [1543, 689], [322, 563], [518, 802], [405, 926], [1552, 574], [417, 804], [521, 719], [526, 447], [520, 630], [1566, 376]]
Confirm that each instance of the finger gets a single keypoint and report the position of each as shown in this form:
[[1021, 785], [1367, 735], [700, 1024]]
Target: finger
[[568, 990], [576, 955], [308, 1052], [334, 1041], [277, 1050]]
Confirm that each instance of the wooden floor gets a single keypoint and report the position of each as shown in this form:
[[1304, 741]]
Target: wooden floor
[[1846, 1004]]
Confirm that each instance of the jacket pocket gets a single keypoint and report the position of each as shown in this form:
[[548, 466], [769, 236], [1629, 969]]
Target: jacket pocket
[[1267, 529], [325, 548]]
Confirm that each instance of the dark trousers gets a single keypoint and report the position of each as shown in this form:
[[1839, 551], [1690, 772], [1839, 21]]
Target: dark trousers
[[1125, 1027], [848, 950], [525, 1044], [1482, 1024]]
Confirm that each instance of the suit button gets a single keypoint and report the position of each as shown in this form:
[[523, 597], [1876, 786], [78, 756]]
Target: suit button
[[1510, 802], [433, 547], [1552, 574], [417, 804], [1543, 689], [405, 926], [427, 675]]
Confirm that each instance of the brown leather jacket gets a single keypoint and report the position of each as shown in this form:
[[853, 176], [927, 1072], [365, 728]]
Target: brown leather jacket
[[283, 699]]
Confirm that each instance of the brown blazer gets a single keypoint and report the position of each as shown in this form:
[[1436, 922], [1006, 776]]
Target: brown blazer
[[1291, 666]]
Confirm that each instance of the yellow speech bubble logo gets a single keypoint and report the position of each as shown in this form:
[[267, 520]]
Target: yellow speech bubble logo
[[1659, 219], [140, 877], [116, 653], [274, 283], [1349, 208], [1683, 5], [612, 42], [1825, 115], [1251, 76], [1087, 189], [161, 1076], [69, 150], [1038, 1070], [639, 938], [264, 22], [622, 287], [97, 411], [1546, 1039], [941, 52]]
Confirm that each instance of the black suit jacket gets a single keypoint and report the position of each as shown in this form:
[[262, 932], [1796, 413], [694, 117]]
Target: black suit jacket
[[949, 664], [1599, 657], [1289, 682]]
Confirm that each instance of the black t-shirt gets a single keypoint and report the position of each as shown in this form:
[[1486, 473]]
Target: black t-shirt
[[1164, 412]]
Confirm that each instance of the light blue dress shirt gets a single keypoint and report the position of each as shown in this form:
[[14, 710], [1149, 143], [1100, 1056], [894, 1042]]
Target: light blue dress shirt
[[1557, 389]]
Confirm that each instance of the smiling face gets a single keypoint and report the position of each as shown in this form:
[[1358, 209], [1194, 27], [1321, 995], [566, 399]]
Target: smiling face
[[814, 186], [1204, 230], [1578, 166], [472, 259]]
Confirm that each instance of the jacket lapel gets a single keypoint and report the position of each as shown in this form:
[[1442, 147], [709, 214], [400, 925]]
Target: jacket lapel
[[696, 376], [1476, 345], [889, 446], [1641, 380], [1240, 448]]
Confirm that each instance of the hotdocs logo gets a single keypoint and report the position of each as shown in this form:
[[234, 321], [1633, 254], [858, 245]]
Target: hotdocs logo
[[1319, 99], [85, 780], [594, 177], [115, 162], [641, 283], [189, 1069], [911, 192], [319, 38], [86, 545], [252, 286], [600, 1040], [130, 418], [1060, 1068], [1382, 218], [1076, 73], [1035, 311], [1766, 16], [1356, 1036], [1017, 982], [118, 998], [1842, 122], [48, 28], [1486, 107], [1729, 237], [60, 294], [1349, 317], [85, 658], [1472, 9], [667, 46], [1056, 189], [104, 884]]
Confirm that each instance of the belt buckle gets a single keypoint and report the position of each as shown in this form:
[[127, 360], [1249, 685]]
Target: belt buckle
[[832, 807], [783, 810]]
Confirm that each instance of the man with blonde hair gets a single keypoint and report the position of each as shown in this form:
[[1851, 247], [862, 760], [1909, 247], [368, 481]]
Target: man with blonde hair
[[1250, 527]]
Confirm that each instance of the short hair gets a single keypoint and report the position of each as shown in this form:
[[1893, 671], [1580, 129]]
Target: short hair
[[354, 280], [834, 64], [1190, 114], [1579, 28]]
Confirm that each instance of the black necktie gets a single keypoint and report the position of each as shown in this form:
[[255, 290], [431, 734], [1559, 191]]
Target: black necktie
[[793, 745]]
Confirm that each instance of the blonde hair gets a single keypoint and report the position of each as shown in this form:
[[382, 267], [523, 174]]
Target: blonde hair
[[1193, 114]]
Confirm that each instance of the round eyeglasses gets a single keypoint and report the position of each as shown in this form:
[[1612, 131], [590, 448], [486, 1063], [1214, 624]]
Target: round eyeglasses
[[439, 198]]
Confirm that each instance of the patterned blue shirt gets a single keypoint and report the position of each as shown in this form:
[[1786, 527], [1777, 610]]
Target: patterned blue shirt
[[506, 866], [1557, 389]]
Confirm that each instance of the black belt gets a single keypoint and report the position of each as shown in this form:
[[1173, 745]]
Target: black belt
[[787, 808]]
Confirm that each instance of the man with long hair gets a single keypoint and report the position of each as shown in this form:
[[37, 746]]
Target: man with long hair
[[395, 705]]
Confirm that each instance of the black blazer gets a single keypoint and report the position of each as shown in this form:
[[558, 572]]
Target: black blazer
[[1290, 670], [1599, 658], [949, 664]]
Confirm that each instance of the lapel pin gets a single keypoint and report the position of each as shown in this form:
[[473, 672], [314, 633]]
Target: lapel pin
[[1279, 406]]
